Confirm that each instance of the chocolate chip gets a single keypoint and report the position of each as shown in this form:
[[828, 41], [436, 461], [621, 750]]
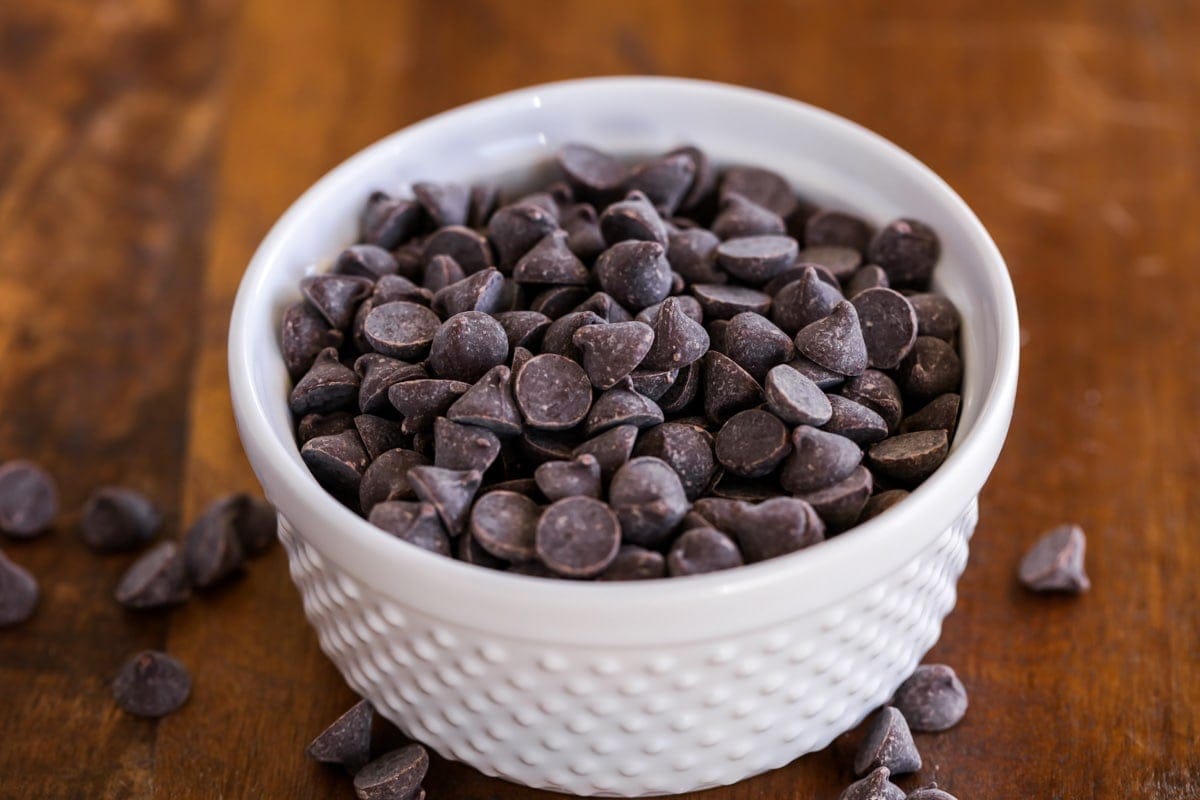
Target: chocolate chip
[[683, 391], [337, 462], [394, 776], [664, 181], [377, 373], [583, 232], [449, 491], [553, 392], [687, 449], [481, 292], [560, 336], [409, 261], [796, 272], [932, 699], [907, 250], [621, 406], [803, 302], [212, 549], [610, 352], [482, 204], [634, 218], [523, 328], [544, 199], [702, 190], [768, 189], [391, 288], [151, 684], [578, 537], [930, 793], [653, 384], [305, 333], [855, 421], [868, 276], [389, 221], [766, 529], [701, 550], [741, 216], [878, 392], [579, 476], [365, 261], [505, 525], [400, 329], [156, 579], [378, 434], [875, 786], [594, 175], [387, 477], [837, 228], [725, 302], [533, 569], [416, 523], [839, 506], [19, 593], [727, 387], [835, 342], [827, 379], [889, 326], [466, 346], [515, 229], [648, 499], [313, 425], [752, 443], [28, 500], [757, 259], [116, 519], [909, 458], [551, 262], [468, 550], [611, 449], [489, 404], [468, 249], [444, 203], [692, 253], [818, 459], [441, 271], [347, 740], [1055, 562], [888, 743], [677, 339], [329, 385], [842, 262], [794, 398], [336, 297], [635, 273], [633, 563], [542, 446], [422, 401], [605, 307], [254, 520], [936, 316], [879, 503], [756, 345]]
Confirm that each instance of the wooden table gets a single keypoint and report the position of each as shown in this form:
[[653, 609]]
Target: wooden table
[[146, 146]]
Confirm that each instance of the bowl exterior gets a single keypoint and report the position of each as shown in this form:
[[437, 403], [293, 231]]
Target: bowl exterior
[[631, 722]]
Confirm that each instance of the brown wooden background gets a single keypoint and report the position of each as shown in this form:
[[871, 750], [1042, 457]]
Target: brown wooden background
[[147, 145]]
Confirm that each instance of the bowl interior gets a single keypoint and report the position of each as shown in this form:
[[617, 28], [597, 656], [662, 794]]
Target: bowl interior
[[830, 161]]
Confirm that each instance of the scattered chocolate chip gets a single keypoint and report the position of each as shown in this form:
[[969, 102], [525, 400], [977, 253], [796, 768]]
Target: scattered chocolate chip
[[553, 392], [1055, 562], [347, 740], [337, 462], [701, 550], [212, 549], [835, 342], [757, 259], [611, 352], [151, 684], [878, 392], [621, 406], [687, 449], [752, 443], [28, 500], [578, 537], [794, 398], [879, 503], [931, 699], [19, 593], [803, 301], [907, 251], [741, 216], [888, 743], [818, 459], [839, 506], [505, 524], [875, 786], [611, 449], [648, 499], [930, 793], [755, 344], [305, 334], [116, 519], [855, 421], [394, 776], [450, 491], [579, 476], [727, 387], [416, 523], [387, 476], [633, 563], [156, 579], [552, 262], [909, 458]]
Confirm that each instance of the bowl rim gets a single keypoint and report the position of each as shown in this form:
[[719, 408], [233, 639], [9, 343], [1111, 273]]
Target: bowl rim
[[296, 493]]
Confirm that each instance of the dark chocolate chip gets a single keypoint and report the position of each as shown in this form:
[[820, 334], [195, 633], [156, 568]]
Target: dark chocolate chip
[[391, 288], [489, 404], [444, 203], [523, 328], [930, 793], [701, 550], [541, 446], [579, 476], [754, 343], [378, 373], [907, 250], [692, 253], [553, 392], [932, 699], [583, 232], [482, 204], [621, 406], [560, 336], [378, 434], [401, 329], [794, 398], [611, 448], [544, 199], [840, 505], [578, 537], [757, 259], [702, 191], [796, 272], [725, 302], [677, 339], [727, 387], [469, 249], [212, 549], [416, 523], [515, 229], [889, 326], [151, 684], [336, 297], [481, 292], [910, 457], [835, 342], [936, 316], [649, 500], [633, 563], [551, 262], [842, 262], [634, 218], [156, 579], [610, 352], [1055, 562], [818, 459], [752, 490], [768, 189], [116, 519], [386, 478], [450, 491], [19, 593], [653, 384], [389, 221], [888, 743], [635, 273], [766, 529], [837, 228], [329, 385], [337, 462], [687, 449], [313, 425], [441, 271], [347, 740], [878, 392], [505, 525], [879, 503], [409, 261], [468, 550], [394, 776], [688, 304], [605, 307], [466, 346], [868, 276], [254, 520], [664, 181], [855, 421], [594, 175], [683, 391], [741, 216], [827, 379], [365, 261], [305, 333], [803, 302], [28, 500], [420, 402], [875, 786], [752, 443], [463, 447]]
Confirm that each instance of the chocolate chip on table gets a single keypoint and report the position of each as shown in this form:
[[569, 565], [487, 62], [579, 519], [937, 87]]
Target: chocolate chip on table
[[212, 548], [450, 491], [701, 550], [936, 316], [151, 684], [553, 392], [909, 458], [347, 740], [727, 387], [466, 346], [687, 449], [379, 434], [378, 373], [692, 253], [764, 187], [482, 292], [305, 333], [931, 699], [389, 221], [757, 259], [19, 593], [440, 272], [156, 579], [1055, 562], [416, 523], [841, 262], [635, 273], [337, 462], [841, 505], [611, 449], [387, 476], [739, 216], [752, 443], [855, 421], [633, 563], [835, 342], [889, 326], [420, 402], [878, 392], [818, 459], [116, 519], [876, 786], [754, 343], [336, 296], [664, 181], [594, 175], [578, 537], [888, 743], [868, 276], [907, 250], [393, 776], [633, 218], [794, 398], [28, 500], [648, 499], [803, 301], [551, 262], [830, 227], [621, 406], [578, 476], [766, 529], [930, 793], [611, 352], [400, 329]]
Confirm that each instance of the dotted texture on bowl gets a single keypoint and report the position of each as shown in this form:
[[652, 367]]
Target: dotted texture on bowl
[[631, 723]]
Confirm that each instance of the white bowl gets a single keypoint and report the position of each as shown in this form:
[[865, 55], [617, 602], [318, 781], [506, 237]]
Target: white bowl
[[644, 688]]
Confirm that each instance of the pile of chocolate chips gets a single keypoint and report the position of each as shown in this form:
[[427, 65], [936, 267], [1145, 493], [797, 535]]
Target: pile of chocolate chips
[[636, 372]]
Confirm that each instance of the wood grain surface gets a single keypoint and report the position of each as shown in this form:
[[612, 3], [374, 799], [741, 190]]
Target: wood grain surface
[[147, 145]]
